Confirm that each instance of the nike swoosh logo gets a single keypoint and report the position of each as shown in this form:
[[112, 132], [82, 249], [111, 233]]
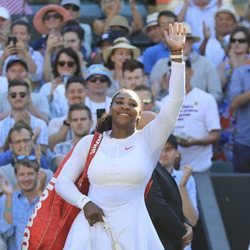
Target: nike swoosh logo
[[127, 148]]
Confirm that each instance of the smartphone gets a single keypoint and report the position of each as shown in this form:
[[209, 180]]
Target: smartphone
[[99, 113], [12, 39], [64, 79]]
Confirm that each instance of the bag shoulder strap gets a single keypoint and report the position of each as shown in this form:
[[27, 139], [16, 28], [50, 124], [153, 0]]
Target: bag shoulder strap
[[96, 141]]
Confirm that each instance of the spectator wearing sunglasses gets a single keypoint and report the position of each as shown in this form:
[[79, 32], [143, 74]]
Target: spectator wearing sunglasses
[[98, 80], [73, 36], [19, 204], [66, 64], [17, 69], [74, 7], [59, 127], [20, 144], [19, 98], [237, 55], [48, 21], [21, 141]]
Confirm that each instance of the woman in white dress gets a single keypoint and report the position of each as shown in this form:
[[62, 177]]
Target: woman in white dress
[[122, 167]]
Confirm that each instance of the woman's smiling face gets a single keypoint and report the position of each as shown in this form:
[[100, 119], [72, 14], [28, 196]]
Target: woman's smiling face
[[125, 109]]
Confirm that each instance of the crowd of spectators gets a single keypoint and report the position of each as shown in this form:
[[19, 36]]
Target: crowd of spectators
[[54, 87]]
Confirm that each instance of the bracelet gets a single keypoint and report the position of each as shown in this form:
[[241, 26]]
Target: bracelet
[[177, 57], [8, 209], [65, 123], [176, 52]]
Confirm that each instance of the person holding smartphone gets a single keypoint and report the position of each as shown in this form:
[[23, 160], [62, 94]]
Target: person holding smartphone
[[17, 46]]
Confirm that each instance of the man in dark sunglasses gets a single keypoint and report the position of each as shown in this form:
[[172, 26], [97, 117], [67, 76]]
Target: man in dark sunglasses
[[17, 68], [98, 80], [19, 98]]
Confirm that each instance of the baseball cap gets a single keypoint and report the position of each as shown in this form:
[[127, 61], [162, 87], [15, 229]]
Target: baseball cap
[[16, 60]]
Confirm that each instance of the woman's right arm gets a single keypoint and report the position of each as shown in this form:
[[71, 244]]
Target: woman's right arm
[[65, 184]]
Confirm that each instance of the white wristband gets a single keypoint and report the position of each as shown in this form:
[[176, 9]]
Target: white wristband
[[177, 56], [82, 201]]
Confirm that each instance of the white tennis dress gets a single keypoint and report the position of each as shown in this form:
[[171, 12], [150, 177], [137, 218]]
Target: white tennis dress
[[118, 175]]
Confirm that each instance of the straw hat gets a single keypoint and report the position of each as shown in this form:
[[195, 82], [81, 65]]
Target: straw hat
[[152, 20], [38, 18], [120, 21], [120, 43]]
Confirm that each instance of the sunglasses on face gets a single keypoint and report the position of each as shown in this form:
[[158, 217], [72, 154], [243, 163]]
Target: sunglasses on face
[[24, 157], [13, 95], [52, 16], [70, 64], [101, 79], [71, 7], [240, 40]]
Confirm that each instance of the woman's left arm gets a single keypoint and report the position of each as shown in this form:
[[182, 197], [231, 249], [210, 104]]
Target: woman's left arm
[[160, 128]]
